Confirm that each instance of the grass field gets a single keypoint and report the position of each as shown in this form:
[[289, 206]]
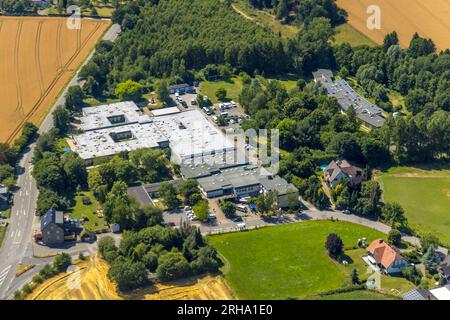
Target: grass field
[[286, 261], [80, 210], [39, 56], [235, 85], [429, 18], [355, 295], [2, 235], [425, 196], [346, 33]]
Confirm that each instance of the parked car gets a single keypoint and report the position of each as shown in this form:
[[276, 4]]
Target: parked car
[[170, 224], [187, 208], [193, 102], [346, 211]]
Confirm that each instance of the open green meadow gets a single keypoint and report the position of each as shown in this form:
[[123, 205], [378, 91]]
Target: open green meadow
[[235, 85], [2, 235], [425, 196], [355, 295], [346, 33], [288, 260]]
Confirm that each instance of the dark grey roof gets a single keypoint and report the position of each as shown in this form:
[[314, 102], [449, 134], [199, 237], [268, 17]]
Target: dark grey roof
[[140, 194], [366, 111], [246, 176], [278, 184], [52, 216], [180, 86], [210, 164], [419, 294]]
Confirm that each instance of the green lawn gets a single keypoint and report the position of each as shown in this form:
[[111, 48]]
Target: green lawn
[[355, 295], [235, 85], [6, 213], [346, 33], [80, 210], [286, 261], [425, 196], [2, 235]]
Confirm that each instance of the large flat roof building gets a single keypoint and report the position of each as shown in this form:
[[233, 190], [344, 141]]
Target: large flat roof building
[[246, 180], [110, 129], [367, 112]]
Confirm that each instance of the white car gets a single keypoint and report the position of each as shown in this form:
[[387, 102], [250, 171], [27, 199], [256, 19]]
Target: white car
[[187, 208]]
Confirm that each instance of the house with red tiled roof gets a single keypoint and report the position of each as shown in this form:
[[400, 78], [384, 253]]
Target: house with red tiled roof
[[386, 257], [342, 169]]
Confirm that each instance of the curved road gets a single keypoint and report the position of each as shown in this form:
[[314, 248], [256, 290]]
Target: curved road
[[18, 243]]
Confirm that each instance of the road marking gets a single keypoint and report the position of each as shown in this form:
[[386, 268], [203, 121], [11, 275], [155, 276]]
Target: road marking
[[4, 274]]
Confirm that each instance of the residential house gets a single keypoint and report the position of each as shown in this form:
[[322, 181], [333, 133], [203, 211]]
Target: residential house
[[56, 229], [444, 269], [342, 169], [386, 257], [4, 197]]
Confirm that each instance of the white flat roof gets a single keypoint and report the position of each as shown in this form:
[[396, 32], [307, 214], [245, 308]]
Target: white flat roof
[[441, 293], [165, 111], [95, 118], [188, 134]]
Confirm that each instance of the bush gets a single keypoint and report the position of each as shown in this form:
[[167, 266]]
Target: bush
[[38, 279], [394, 237], [27, 289], [172, 266], [334, 245], [107, 248], [128, 274], [62, 262], [47, 271]]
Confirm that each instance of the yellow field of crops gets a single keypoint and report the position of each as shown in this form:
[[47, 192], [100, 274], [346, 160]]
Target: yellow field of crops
[[38, 57], [93, 284], [430, 18]]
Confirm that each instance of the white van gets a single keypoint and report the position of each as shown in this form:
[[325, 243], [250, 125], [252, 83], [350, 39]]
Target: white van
[[214, 119], [241, 208], [224, 114]]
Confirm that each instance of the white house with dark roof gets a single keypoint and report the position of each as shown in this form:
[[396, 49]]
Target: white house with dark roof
[[342, 169]]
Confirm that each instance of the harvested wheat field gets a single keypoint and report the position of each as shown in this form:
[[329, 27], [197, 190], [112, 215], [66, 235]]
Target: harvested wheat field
[[430, 18], [38, 57], [95, 285]]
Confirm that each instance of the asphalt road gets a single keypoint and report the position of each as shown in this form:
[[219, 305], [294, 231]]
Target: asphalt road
[[18, 243]]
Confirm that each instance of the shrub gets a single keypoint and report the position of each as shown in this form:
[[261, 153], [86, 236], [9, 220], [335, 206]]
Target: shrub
[[394, 237], [172, 266]]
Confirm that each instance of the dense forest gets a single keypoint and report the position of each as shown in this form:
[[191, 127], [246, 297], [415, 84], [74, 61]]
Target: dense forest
[[302, 11]]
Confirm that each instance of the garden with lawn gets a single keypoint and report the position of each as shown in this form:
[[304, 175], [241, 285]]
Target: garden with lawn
[[86, 207], [288, 260], [234, 86], [424, 193]]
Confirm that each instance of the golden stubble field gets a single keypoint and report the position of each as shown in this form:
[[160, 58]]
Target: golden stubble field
[[430, 18], [93, 284], [38, 56]]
